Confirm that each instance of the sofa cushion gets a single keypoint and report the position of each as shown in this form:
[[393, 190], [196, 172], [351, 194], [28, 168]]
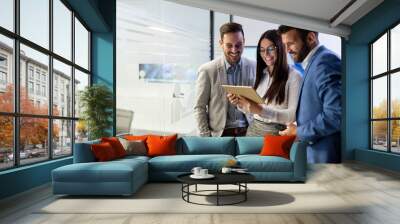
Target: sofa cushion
[[277, 145], [249, 145], [161, 145], [134, 147], [206, 145], [116, 145], [257, 163], [185, 163], [112, 171], [103, 151]]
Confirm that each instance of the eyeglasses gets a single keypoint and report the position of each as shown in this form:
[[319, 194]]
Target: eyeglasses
[[269, 50]]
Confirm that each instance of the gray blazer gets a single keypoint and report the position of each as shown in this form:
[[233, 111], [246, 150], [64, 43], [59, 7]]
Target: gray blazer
[[211, 104]]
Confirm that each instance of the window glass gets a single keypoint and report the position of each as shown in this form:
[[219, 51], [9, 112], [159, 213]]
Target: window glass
[[35, 21], [159, 49], [379, 98], [31, 58], [6, 74], [379, 135], [395, 95], [81, 82], [62, 89], [81, 45], [6, 142], [34, 144], [379, 56], [7, 14], [395, 47], [395, 136], [219, 20], [81, 131], [62, 29], [62, 138]]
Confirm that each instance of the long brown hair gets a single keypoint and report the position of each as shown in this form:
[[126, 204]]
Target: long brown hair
[[280, 73]]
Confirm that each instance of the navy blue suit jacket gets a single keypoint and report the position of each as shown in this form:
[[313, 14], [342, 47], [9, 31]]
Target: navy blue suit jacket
[[319, 108]]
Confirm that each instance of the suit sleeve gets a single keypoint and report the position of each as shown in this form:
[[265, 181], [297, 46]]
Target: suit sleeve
[[327, 122], [203, 88]]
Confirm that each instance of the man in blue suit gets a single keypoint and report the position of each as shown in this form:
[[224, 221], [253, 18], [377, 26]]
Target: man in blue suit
[[319, 109]]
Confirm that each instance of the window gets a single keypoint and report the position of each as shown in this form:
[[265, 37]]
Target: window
[[30, 72], [219, 20], [37, 89], [45, 131], [3, 78], [43, 90], [159, 49], [163, 50], [62, 31], [81, 45], [7, 14], [61, 74], [385, 96], [30, 87], [34, 21], [6, 74]]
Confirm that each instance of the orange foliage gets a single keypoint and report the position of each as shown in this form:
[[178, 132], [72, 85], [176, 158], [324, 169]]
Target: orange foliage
[[33, 130]]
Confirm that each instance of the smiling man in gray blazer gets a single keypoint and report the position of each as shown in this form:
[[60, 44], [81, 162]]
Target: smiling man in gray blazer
[[215, 116]]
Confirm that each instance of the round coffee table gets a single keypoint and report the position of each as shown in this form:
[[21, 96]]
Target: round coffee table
[[238, 179]]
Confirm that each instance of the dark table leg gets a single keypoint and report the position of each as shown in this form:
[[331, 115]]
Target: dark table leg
[[217, 194], [245, 193]]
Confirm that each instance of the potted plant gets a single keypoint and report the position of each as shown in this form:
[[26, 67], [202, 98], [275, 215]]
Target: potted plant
[[96, 102]]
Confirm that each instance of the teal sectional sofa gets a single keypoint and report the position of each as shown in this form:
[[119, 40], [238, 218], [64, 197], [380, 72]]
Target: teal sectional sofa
[[125, 176]]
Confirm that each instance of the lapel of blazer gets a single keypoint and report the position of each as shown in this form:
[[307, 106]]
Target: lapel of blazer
[[312, 59], [222, 80], [245, 72], [222, 76]]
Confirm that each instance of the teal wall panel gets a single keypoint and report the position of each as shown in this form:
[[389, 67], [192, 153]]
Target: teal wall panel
[[356, 84], [380, 159], [24, 178]]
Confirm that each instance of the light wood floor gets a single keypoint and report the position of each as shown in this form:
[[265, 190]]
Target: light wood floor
[[377, 188]]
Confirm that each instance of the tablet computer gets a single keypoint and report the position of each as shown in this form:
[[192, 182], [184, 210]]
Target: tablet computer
[[244, 91]]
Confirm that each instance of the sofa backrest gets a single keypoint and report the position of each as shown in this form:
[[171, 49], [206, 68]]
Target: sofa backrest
[[83, 153], [249, 145], [192, 145]]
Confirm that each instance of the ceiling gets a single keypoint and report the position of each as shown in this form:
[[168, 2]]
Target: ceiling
[[328, 16]]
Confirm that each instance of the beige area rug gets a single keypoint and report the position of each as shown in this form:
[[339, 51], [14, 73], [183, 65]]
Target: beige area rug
[[166, 198]]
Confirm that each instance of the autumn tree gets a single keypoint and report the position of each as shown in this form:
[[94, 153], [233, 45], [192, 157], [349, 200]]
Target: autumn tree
[[33, 131], [380, 127]]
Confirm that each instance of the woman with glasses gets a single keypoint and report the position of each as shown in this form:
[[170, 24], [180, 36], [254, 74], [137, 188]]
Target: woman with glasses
[[277, 83]]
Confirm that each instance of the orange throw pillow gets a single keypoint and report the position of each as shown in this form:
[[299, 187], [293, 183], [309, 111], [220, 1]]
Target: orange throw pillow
[[161, 145], [276, 145], [103, 152], [116, 145]]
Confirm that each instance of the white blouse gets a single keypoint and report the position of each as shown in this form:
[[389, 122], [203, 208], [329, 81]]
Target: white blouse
[[286, 111]]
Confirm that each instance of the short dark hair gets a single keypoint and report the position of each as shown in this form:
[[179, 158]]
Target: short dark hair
[[230, 27], [303, 33]]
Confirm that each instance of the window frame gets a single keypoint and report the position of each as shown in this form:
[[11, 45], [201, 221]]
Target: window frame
[[15, 71], [388, 74]]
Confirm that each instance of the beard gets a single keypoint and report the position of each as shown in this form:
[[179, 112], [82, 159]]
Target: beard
[[302, 54], [233, 59]]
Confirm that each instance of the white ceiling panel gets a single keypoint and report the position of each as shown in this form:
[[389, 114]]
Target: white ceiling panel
[[328, 16]]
